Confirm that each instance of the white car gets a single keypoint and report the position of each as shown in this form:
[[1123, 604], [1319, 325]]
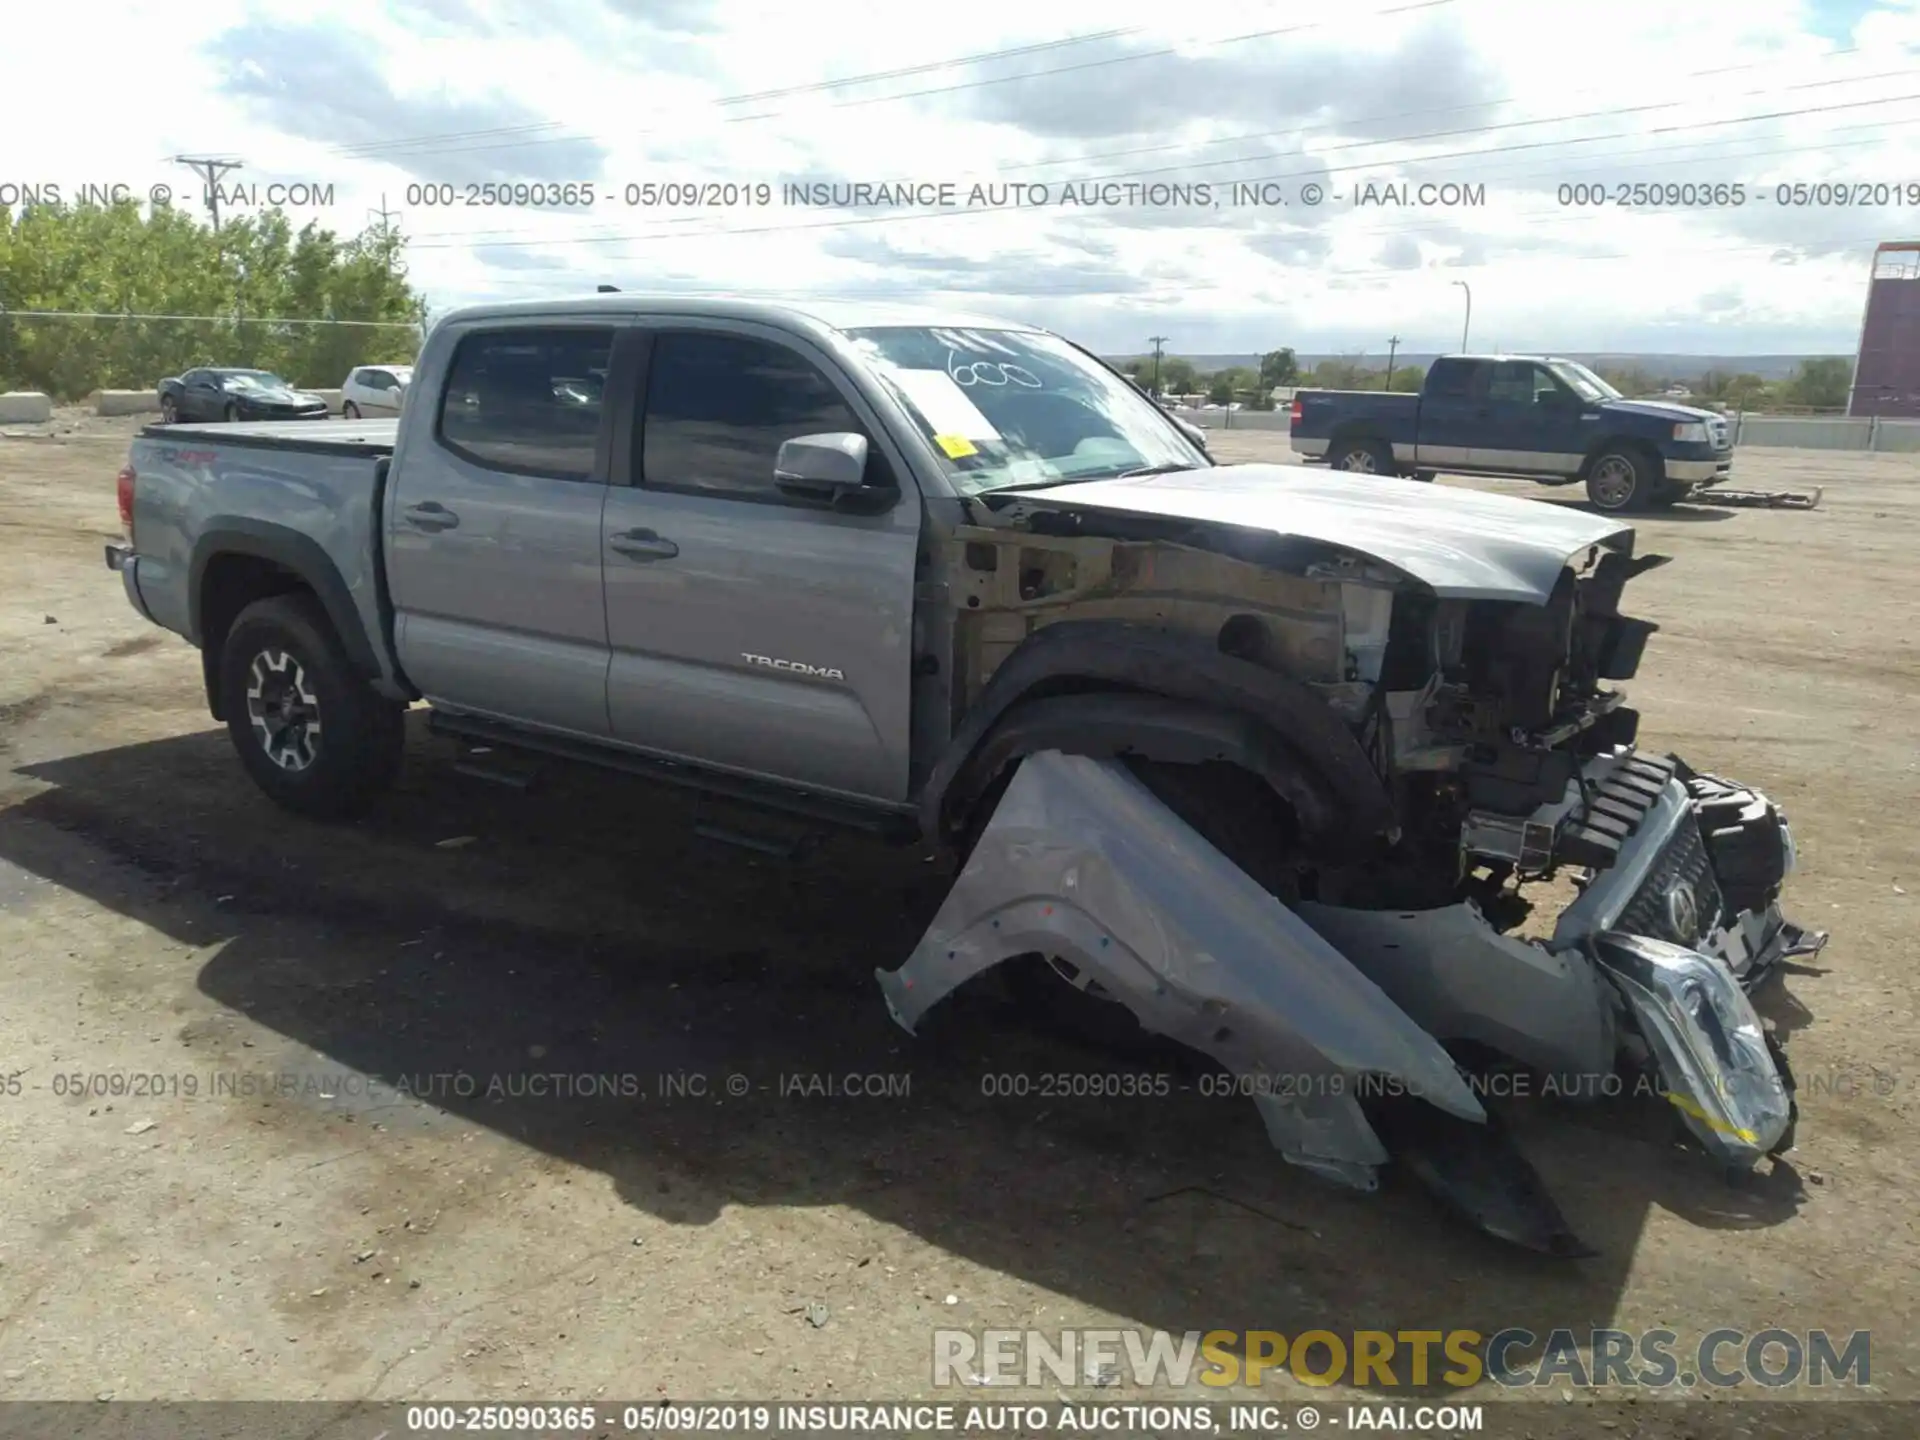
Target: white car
[[375, 390]]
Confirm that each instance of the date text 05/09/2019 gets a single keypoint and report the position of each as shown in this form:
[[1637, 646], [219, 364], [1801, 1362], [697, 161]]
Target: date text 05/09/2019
[[1735, 195]]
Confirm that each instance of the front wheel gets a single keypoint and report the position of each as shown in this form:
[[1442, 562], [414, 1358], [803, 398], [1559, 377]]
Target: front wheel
[[309, 729], [1362, 457], [169, 411], [231, 414], [350, 411], [1622, 480]]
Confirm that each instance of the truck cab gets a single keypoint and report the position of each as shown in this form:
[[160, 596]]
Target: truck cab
[[1533, 417]]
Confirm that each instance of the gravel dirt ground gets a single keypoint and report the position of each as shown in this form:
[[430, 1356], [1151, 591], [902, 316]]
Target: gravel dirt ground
[[348, 1171]]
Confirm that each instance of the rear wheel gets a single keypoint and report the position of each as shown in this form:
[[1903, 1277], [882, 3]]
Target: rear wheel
[[1622, 480], [169, 410], [309, 729], [1362, 457]]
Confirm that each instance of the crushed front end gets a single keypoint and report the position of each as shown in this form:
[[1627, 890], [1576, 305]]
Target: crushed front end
[[1359, 990]]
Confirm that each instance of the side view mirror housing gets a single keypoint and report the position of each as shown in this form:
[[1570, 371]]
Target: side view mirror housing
[[1191, 431], [830, 469]]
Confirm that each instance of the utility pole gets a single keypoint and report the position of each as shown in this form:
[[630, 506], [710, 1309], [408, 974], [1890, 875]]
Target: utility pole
[[1393, 346], [1157, 341], [210, 172]]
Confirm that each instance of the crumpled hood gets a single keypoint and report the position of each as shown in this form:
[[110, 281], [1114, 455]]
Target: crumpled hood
[[1463, 543], [1662, 410]]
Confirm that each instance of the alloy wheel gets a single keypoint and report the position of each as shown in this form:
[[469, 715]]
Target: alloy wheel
[[283, 710]]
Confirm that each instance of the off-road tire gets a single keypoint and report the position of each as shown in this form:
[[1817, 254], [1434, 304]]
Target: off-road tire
[[1361, 457], [355, 750], [1623, 479]]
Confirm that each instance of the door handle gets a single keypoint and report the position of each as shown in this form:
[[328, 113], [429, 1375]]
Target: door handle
[[642, 545], [431, 515]]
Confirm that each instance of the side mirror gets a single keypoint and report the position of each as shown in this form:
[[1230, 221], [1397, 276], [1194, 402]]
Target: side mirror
[[1191, 431], [829, 469]]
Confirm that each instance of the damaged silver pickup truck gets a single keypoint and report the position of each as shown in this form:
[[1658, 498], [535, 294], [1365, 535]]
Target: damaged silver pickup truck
[[1267, 758]]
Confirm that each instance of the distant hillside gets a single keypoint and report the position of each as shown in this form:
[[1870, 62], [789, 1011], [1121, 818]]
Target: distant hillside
[[1660, 367]]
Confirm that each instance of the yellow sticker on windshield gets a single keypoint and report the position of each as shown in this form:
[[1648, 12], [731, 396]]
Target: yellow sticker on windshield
[[958, 447]]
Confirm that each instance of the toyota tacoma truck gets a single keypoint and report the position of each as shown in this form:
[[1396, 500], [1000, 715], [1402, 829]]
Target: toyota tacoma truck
[[1255, 758], [1549, 420]]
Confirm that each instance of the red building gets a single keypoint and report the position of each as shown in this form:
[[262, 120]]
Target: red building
[[1886, 372]]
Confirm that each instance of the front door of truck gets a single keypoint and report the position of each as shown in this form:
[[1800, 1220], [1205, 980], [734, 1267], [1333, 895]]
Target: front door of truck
[[752, 630], [493, 533], [1532, 422]]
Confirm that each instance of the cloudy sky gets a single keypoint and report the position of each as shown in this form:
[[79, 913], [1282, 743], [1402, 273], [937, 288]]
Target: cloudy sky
[[1301, 173]]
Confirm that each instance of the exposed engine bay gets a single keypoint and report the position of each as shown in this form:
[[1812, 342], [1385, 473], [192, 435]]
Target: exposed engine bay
[[1358, 983]]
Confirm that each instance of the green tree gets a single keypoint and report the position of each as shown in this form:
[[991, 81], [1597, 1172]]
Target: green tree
[[1820, 384], [255, 274], [1407, 379], [1220, 388], [1177, 376], [1278, 367], [1630, 380], [1747, 392]]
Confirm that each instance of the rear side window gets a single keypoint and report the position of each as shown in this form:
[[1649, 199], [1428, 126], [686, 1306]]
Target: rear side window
[[719, 407], [1450, 379], [528, 401]]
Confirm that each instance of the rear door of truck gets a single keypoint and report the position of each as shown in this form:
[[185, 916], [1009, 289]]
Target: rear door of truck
[[493, 540], [1449, 415]]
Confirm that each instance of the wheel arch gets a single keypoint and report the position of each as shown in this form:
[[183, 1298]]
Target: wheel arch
[[238, 560], [1110, 688], [1620, 440]]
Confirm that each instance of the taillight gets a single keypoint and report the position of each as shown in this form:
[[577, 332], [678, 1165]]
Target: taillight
[[123, 488], [1297, 408]]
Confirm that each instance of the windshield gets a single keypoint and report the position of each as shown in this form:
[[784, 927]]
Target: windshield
[[1008, 407], [255, 380], [1584, 383]]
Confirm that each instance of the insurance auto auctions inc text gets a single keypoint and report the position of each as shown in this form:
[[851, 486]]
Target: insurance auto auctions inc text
[[1513, 1358]]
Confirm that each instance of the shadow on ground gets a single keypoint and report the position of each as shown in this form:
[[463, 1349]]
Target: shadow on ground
[[583, 917]]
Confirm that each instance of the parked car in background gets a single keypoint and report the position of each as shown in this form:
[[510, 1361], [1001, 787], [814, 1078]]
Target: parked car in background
[[374, 390], [231, 395], [1542, 419]]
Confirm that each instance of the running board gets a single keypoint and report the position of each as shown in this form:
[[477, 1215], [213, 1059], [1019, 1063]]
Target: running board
[[897, 826]]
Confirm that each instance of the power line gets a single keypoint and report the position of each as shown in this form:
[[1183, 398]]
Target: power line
[[374, 149], [1314, 174]]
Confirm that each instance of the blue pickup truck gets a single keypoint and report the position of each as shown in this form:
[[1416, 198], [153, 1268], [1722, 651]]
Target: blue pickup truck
[[1542, 419]]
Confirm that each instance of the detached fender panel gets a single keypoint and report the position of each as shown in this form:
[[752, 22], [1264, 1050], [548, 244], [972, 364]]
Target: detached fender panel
[[1081, 861], [1119, 655]]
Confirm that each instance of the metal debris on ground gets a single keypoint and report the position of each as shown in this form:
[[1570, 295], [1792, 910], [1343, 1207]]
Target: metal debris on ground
[[1763, 499]]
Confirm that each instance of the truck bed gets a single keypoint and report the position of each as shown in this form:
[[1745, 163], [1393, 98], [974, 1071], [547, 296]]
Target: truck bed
[[325, 437]]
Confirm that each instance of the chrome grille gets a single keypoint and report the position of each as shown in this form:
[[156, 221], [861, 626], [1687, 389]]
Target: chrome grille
[[1683, 858]]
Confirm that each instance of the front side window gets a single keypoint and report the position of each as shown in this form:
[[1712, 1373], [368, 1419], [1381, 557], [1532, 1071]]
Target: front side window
[[720, 406], [1583, 382], [1011, 407], [527, 401]]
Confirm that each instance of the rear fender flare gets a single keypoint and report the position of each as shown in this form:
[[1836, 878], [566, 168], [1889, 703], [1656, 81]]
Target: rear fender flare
[[301, 557], [1077, 656]]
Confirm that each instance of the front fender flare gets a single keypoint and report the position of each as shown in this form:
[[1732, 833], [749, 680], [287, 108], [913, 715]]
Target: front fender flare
[[1080, 860]]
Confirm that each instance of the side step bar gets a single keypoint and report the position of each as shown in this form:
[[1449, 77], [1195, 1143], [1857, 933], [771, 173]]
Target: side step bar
[[900, 827]]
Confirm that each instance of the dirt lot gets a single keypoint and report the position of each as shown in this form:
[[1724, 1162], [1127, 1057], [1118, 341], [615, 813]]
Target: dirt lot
[[448, 1230]]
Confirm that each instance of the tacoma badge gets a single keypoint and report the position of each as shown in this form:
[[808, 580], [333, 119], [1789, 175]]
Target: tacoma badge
[[794, 667]]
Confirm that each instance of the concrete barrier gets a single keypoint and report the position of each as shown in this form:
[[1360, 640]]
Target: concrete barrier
[[125, 402], [332, 397], [25, 407]]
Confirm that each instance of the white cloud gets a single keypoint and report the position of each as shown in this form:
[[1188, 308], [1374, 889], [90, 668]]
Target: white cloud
[[1519, 100]]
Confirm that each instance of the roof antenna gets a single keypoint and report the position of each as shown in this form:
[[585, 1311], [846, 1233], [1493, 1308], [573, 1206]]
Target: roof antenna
[[608, 289]]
